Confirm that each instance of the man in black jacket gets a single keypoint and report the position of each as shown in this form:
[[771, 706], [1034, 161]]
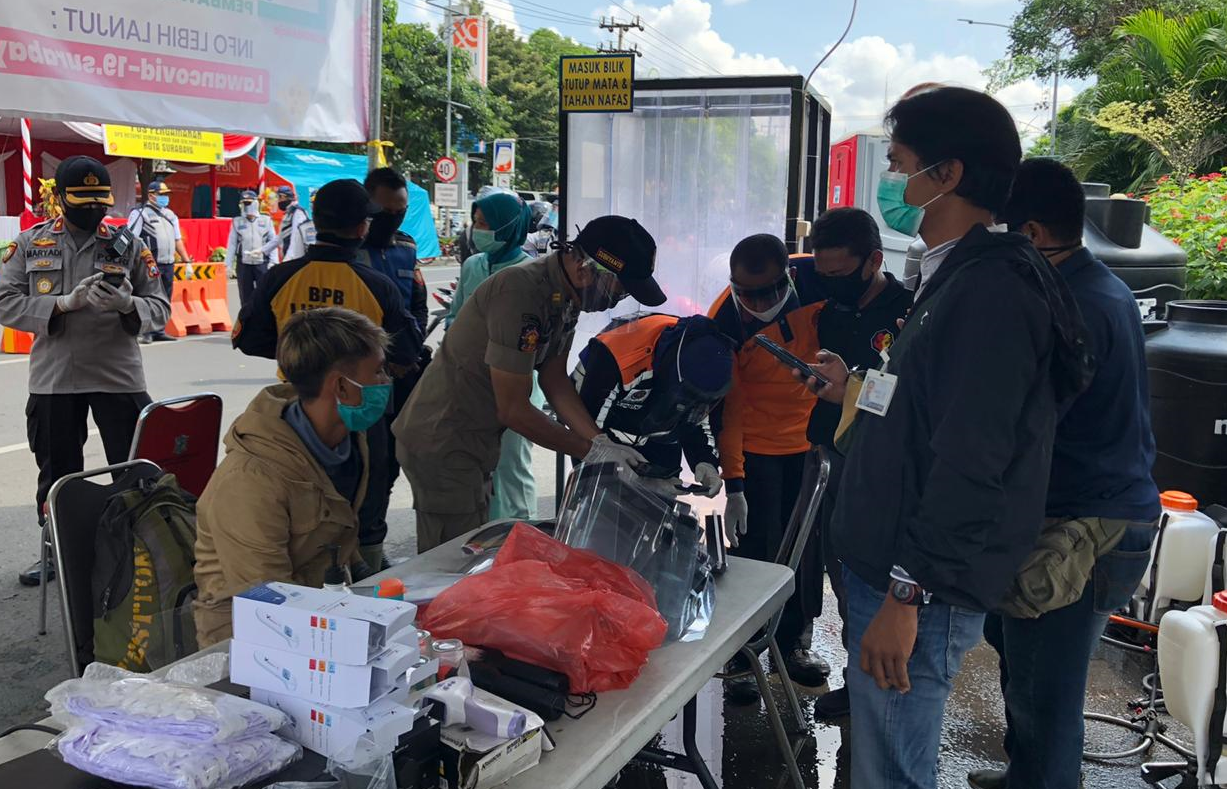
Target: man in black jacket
[[943, 492]]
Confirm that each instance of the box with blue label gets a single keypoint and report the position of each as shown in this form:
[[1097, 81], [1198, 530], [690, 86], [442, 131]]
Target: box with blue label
[[336, 626], [320, 679]]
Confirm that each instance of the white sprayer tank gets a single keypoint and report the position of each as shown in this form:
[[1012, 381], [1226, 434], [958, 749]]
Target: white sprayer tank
[[1180, 554], [1189, 657]]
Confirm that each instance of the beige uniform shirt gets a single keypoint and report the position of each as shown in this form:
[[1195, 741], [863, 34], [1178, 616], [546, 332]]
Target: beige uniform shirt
[[447, 435], [86, 350]]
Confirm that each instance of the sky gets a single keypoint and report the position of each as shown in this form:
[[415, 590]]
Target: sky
[[893, 45]]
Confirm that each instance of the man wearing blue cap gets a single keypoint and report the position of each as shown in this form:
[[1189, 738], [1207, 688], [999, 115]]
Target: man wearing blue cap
[[651, 382], [154, 223], [252, 240]]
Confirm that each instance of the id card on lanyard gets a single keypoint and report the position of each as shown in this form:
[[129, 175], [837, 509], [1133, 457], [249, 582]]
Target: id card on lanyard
[[878, 390]]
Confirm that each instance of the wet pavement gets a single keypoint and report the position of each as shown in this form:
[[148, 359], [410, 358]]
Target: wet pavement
[[741, 751]]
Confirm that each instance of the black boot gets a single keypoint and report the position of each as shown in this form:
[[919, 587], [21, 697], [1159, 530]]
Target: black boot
[[986, 779], [33, 576], [833, 705], [806, 669], [742, 691]]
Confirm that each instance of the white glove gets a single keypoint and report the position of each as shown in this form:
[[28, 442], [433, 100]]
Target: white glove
[[605, 448], [108, 298], [736, 513], [188, 271], [667, 488], [707, 475], [79, 297]]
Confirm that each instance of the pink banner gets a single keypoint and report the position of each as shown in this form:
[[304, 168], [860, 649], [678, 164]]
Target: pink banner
[[29, 54]]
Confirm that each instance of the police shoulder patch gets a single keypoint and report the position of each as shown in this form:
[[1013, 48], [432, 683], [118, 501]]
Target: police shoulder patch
[[530, 333], [153, 271], [8, 251]]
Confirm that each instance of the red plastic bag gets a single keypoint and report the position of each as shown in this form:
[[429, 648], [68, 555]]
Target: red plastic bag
[[554, 606]]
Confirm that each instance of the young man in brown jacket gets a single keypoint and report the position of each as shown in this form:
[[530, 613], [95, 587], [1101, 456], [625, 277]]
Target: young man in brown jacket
[[296, 466]]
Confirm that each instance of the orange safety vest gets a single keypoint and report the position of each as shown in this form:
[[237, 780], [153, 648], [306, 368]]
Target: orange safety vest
[[634, 343]]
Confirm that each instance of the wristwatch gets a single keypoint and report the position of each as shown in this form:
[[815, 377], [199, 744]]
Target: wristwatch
[[908, 593]]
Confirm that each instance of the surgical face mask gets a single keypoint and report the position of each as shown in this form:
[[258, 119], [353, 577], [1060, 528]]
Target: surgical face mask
[[162, 200], [781, 291], [85, 217], [250, 210], [371, 407], [383, 226], [485, 241], [846, 289], [897, 212]]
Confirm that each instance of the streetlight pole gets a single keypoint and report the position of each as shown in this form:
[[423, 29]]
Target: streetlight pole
[[1056, 77]]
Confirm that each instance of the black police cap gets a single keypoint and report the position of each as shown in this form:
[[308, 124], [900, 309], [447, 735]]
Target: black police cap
[[622, 246], [84, 181]]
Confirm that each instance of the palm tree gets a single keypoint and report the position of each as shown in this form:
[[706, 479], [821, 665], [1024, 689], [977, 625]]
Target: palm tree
[[1159, 55]]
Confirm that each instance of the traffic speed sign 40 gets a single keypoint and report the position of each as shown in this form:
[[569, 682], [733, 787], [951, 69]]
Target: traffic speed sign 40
[[446, 169]]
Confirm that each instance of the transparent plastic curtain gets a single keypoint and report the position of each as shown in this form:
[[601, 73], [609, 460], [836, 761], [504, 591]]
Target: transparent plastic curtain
[[700, 169]]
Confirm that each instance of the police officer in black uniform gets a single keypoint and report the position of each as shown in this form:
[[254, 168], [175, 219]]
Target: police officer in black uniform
[[86, 291], [859, 323]]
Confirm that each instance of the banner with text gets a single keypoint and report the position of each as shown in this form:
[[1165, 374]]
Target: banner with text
[[175, 145], [596, 83], [277, 68]]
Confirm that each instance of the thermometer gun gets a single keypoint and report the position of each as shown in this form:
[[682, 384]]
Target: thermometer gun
[[453, 701]]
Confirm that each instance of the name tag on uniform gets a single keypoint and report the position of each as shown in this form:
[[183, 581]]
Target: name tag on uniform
[[877, 392]]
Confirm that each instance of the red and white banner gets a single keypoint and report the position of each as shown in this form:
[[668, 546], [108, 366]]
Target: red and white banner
[[470, 35], [282, 68]]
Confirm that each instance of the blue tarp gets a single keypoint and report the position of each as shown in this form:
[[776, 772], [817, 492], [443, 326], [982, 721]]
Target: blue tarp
[[309, 170]]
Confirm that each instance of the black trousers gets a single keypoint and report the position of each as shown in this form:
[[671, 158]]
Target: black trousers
[[167, 275], [827, 559], [381, 444], [57, 429], [249, 276], [773, 483]]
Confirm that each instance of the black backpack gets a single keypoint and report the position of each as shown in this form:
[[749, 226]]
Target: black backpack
[[143, 582]]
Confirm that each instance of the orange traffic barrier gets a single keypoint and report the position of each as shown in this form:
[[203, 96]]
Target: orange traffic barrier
[[199, 305], [16, 341], [214, 298]]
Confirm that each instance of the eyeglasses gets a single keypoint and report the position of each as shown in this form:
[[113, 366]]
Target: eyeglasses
[[773, 292]]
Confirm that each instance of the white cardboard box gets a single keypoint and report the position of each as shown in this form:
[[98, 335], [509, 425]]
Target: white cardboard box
[[347, 628], [334, 731], [317, 679], [479, 761]]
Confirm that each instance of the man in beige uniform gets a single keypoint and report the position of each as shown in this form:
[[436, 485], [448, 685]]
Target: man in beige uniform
[[519, 320]]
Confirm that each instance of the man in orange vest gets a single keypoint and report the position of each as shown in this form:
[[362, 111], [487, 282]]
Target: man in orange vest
[[651, 382], [761, 429]]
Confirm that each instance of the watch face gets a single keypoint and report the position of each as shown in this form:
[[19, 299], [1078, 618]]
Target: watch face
[[902, 592]]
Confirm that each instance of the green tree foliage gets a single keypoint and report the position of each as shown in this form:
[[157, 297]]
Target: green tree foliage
[[1194, 215], [524, 74], [415, 95], [1162, 65], [1086, 29]]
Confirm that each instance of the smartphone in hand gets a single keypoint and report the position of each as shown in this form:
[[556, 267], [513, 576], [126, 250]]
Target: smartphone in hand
[[788, 359]]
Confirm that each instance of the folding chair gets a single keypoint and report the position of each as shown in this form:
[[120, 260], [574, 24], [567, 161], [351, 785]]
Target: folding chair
[[804, 514], [75, 504], [181, 435]]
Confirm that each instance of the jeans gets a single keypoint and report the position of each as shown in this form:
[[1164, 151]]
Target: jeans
[[1044, 663], [896, 736]]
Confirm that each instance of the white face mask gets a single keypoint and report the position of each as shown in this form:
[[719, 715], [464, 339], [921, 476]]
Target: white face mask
[[769, 315]]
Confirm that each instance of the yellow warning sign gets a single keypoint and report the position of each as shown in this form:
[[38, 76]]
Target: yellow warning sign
[[596, 83], [176, 145]]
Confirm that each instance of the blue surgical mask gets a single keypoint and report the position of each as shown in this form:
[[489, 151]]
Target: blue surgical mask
[[485, 241], [162, 200], [362, 417], [897, 212]]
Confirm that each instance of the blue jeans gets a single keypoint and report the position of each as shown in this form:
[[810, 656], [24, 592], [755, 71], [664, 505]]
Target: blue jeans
[[1044, 663], [895, 736]]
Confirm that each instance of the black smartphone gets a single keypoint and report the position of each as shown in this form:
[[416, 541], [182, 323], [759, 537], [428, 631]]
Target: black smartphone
[[788, 358], [654, 471], [114, 279]]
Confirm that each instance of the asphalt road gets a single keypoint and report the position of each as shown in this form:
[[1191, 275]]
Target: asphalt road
[[30, 664]]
